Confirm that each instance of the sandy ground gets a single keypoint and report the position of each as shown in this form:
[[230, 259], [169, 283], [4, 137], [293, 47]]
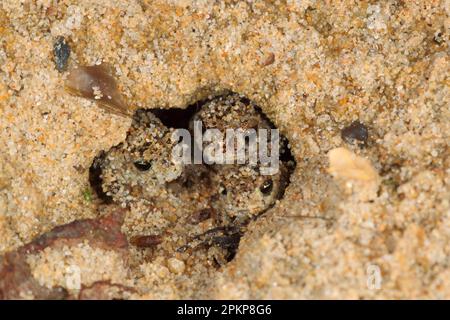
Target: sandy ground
[[359, 222]]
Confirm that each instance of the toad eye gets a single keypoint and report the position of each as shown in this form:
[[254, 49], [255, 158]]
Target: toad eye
[[266, 187], [142, 165]]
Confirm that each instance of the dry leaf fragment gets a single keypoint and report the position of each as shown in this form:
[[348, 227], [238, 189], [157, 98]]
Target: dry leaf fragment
[[97, 83]]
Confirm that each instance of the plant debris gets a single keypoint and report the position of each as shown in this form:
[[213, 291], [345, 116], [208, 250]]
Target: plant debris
[[61, 53], [97, 83]]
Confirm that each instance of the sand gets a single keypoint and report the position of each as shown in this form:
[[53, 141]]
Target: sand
[[374, 225]]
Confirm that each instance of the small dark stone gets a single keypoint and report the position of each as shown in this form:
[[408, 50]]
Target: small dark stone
[[355, 131], [61, 52], [143, 165], [266, 187]]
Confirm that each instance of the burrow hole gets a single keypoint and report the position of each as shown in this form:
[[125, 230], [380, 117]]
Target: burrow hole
[[180, 118]]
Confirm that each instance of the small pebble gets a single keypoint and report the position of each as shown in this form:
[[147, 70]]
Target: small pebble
[[175, 265], [61, 52], [355, 131]]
